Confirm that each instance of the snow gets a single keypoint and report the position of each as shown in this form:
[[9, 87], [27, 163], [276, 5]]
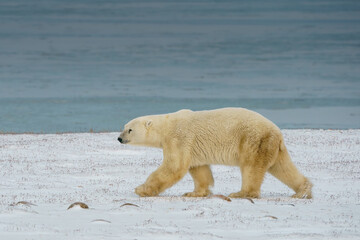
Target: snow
[[50, 172]]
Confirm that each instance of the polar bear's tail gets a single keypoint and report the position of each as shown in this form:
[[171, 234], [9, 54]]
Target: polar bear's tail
[[285, 170]]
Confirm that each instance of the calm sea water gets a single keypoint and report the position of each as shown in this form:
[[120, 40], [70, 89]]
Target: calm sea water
[[72, 66]]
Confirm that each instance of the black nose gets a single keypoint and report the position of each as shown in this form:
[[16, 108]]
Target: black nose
[[120, 139]]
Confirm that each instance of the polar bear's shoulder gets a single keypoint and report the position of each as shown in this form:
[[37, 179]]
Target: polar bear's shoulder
[[184, 111]]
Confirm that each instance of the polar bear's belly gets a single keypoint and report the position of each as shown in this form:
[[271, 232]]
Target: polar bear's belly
[[217, 156]]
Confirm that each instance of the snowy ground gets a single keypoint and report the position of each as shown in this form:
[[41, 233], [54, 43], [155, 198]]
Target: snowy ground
[[54, 171]]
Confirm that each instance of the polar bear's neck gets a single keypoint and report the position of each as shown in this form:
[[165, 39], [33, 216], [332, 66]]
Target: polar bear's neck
[[156, 134]]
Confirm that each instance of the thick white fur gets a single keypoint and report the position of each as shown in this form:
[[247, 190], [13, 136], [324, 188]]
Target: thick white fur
[[192, 141]]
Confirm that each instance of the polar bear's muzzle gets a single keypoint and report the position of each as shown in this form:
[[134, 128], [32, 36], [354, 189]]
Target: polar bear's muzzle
[[123, 141]]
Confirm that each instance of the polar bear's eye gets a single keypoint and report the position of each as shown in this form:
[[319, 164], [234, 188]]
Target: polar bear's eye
[[130, 130]]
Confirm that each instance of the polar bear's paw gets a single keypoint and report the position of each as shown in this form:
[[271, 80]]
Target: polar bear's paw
[[198, 194], [304, 191], [243, 194], [146, 191]]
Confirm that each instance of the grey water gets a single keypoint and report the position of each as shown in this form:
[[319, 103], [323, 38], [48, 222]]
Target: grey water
[[75, 66]]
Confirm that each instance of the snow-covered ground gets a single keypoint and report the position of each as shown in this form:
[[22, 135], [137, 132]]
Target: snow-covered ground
[[50, 172]]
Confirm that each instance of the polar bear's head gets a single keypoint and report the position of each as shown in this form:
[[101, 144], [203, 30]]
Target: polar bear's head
[[138, 132]]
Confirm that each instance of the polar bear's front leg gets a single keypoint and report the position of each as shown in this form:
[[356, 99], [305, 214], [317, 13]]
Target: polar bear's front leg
[[164, 177], [203, 179]]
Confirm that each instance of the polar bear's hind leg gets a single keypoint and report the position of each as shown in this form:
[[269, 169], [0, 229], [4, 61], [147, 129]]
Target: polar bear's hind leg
[[285, 170]]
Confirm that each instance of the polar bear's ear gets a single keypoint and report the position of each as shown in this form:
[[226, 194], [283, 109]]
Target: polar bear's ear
[[148, 123]]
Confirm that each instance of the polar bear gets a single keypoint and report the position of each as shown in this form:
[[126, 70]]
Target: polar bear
[[193, 140]]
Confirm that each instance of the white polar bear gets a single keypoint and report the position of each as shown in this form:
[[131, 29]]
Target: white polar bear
[[193, 140]]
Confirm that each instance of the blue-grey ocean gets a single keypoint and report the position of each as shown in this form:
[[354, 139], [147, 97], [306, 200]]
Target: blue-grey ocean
[[81, 65]]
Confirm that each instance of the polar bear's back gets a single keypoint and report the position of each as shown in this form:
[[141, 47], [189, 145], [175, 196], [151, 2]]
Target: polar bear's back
[[228, 118]]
